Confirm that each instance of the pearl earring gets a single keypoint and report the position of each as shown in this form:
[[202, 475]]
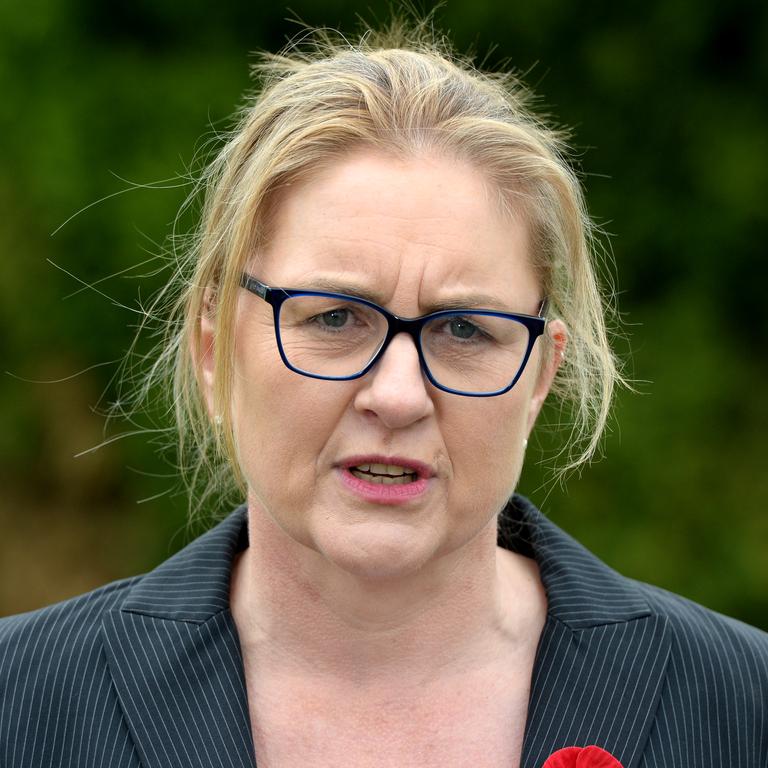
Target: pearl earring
[[525, 443]]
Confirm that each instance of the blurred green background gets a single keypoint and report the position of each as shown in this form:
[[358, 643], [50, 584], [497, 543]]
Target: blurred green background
[[668, 102]]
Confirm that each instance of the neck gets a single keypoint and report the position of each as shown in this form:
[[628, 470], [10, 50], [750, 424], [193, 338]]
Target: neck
[[293, 606]]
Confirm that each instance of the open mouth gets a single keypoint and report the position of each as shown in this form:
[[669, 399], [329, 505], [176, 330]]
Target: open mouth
[[384, 474]]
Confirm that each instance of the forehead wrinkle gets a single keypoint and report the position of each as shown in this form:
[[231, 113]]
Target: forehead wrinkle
[[468, 301], [406, 217], [411, 263], [349, 251], [345, 285], [353, 276], [352, 287]]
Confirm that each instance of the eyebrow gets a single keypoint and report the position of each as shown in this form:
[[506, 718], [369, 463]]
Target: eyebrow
[[467, 301], [349, 289]]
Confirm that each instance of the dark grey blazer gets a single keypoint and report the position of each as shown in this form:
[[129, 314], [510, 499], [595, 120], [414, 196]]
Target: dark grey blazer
[[147, 671]]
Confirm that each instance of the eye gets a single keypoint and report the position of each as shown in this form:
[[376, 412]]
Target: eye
[[334, 318], [461, 328], [465, 332]]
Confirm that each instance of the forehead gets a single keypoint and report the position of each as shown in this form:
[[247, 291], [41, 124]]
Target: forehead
[[418, 230]]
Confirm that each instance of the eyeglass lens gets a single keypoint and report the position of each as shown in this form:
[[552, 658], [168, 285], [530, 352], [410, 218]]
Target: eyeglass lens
[[337, 338]]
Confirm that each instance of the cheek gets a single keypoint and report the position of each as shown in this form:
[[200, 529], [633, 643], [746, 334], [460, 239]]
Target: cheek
[[259, 391], [282, 421], [486, 448], [254, 381]]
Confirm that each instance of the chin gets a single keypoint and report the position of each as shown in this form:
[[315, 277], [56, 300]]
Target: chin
[[378, 551]]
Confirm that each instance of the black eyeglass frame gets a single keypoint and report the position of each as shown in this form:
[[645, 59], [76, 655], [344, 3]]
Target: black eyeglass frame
[[395, 325]]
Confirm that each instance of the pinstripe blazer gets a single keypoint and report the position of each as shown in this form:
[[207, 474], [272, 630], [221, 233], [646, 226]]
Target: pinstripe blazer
[[147, 671]]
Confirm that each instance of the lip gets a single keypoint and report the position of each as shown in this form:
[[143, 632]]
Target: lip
[[422, 470], [385, 494]]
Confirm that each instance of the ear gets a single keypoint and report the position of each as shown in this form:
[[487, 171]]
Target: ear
[[205, 353], [554, 356]]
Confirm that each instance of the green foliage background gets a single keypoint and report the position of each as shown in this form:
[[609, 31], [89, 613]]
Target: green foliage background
[[668, 102]]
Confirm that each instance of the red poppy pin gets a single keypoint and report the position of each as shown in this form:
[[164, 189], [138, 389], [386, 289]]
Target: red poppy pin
[[581, 757]]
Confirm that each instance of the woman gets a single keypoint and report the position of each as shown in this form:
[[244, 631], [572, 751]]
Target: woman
[[393, 273]]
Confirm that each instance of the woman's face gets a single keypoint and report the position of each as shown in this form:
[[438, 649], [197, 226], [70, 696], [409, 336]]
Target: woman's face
[[417, 235]]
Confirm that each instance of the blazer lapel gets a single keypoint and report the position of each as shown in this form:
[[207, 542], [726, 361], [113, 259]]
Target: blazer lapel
[[174, 655], [602, 657]]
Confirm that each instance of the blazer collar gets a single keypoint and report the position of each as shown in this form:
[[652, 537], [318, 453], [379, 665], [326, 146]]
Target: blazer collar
[[174, 654], [602, 656], [193, 585], [582, 591]]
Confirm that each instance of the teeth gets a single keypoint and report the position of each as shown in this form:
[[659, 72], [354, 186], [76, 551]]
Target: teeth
[[384, 474], [390, 469], [382, 479]]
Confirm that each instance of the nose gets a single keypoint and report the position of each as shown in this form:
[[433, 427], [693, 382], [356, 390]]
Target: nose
[[395, 389]]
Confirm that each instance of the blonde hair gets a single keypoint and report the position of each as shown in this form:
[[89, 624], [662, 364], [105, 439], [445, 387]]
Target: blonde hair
[[401, 92]]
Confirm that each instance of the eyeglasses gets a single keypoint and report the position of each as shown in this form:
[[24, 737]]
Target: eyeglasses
[[472, 352]]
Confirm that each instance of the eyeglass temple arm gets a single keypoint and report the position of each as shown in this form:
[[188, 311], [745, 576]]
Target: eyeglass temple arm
[[253, 285]]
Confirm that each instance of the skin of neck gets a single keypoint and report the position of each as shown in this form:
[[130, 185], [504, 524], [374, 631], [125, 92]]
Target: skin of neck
[[299, 612]]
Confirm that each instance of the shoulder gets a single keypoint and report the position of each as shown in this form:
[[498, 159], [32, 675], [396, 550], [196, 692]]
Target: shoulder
[[721, 647], [691, 617], [59, 703], [714, 698], [58, 627], [52, 659], [716, 666], [583, 591], [191, 585]]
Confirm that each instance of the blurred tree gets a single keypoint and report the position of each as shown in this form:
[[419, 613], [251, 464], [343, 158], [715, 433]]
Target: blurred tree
[[102, 112]]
